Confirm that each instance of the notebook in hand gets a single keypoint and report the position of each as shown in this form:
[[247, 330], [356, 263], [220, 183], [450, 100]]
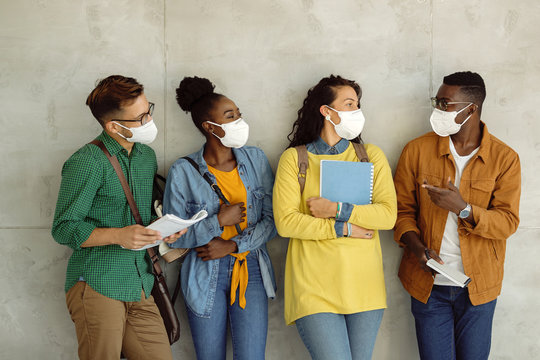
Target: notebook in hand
[[457, 277], [347, 181], [170, 224]]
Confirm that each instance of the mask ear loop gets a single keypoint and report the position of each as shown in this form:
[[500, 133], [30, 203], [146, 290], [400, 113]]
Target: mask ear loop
[[327, 117], [463, 123], [213, 123], [124, 127]]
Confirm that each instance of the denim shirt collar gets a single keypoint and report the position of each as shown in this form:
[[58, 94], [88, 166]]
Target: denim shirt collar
[[319, 147], [203, 166]]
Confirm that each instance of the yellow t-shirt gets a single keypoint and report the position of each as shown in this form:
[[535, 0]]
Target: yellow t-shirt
[[324, 273], [233, 188]]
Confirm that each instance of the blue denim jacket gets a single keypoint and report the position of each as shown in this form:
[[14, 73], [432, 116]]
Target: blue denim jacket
[[187, 192]]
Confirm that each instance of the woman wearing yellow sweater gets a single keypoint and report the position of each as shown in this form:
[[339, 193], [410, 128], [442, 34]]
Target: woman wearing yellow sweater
[[334, 282]]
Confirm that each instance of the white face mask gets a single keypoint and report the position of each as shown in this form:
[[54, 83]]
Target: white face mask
[[144, 134], [444, 122], [236, 133], [351, 125]]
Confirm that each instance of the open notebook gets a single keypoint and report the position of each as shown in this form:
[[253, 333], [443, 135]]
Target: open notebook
[[170, 224], [347, 181]]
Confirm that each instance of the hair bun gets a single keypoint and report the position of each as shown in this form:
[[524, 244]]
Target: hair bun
[[192, 89]]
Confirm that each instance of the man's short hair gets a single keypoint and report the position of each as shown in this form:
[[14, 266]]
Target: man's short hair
[[471, 85], [111, 94]]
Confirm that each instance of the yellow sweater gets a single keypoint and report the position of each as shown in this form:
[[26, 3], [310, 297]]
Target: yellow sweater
[[324, 273]]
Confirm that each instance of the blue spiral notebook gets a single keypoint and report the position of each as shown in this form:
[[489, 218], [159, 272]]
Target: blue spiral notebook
[[347, 181]]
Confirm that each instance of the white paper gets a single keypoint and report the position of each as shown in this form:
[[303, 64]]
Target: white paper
[[170, 224]]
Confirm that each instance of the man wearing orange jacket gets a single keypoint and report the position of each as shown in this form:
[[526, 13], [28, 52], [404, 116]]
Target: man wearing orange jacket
[[458, 191]]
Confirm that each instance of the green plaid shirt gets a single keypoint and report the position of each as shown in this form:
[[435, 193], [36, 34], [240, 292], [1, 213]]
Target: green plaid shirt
[[90, 197]]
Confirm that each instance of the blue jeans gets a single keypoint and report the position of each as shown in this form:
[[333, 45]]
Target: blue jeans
[[248, 326], [330, 336], [450, 327]]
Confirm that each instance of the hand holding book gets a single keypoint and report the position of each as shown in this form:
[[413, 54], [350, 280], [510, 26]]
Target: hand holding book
[[322, 208], [457, 277], [431, 262], [413, 243], [171, 225]]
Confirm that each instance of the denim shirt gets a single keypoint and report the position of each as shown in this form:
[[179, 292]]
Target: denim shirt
[[319, 147], [187, 192]]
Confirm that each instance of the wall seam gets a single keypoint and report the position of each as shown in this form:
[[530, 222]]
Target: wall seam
[[165, 63], [431, 51], [25, 227]]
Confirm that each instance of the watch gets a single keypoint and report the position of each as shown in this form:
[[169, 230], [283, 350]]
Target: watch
[[463, 214]]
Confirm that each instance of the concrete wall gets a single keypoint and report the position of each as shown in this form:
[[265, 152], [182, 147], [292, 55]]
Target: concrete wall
[[264, 55]]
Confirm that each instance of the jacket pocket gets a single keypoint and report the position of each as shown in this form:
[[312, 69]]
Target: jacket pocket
[[434, 180], [494, 250], [481, 192]]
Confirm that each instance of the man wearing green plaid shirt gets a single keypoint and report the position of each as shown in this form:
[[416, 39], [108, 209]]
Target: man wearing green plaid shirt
[[108, 285]]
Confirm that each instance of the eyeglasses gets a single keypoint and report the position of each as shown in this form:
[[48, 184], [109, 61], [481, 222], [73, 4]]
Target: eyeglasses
[[144, 118], [443, 104]]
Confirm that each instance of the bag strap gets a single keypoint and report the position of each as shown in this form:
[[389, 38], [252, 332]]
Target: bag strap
[[303, 163], [361, 153], [131, 201], [214, 187], [116, 166], [176, 289]]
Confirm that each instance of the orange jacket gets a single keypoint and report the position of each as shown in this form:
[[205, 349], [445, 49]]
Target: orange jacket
[[491, 183]]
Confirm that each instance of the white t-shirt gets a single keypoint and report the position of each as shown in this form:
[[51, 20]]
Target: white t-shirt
[[450, 251]]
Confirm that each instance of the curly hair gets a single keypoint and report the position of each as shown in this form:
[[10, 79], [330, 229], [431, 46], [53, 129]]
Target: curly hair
[[196, 95], [310, 121]]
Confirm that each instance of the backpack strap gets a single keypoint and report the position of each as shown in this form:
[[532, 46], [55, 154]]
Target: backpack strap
[[303, 165], [360, 152], [159, 186]]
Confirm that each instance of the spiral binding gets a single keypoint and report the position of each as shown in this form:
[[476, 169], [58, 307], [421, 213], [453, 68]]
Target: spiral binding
[[371, 184]]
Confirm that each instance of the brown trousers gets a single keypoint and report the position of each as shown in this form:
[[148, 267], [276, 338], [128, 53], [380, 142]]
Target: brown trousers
[[105, 327]]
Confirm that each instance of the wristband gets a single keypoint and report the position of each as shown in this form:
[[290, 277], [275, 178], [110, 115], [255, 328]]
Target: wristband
[[338, 212], [349, 229]]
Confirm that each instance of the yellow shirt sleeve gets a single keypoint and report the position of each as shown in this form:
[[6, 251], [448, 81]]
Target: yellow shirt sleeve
[[290, 211], [382, 213]]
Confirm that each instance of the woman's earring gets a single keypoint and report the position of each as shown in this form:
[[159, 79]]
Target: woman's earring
[[327, 117]]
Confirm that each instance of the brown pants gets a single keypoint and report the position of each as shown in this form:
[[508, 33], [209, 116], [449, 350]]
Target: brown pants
[[105, 327]]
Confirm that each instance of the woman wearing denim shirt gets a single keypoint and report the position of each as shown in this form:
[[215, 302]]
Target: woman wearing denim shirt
[[222, 258], [334, 280]]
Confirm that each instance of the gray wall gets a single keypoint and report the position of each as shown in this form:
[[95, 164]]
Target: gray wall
[[264, 55]]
